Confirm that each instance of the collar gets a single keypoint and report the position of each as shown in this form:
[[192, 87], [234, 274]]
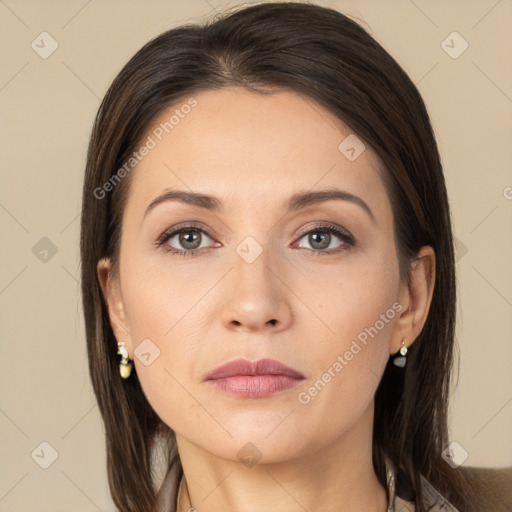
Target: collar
[[434, 501]]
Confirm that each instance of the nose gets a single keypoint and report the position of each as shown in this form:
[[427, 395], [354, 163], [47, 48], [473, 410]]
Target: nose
[[256, 296]]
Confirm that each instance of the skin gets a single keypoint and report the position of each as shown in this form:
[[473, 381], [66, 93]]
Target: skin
[[253, 152]]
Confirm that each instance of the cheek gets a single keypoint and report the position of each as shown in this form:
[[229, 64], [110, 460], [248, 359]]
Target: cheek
[[154, 317], [158, 294], [359, 298], [163, 311], [349, 360]]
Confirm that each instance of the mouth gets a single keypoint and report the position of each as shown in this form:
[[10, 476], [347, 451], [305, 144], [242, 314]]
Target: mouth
[[256, 379]]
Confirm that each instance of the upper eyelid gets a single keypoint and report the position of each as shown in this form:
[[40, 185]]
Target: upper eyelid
[[330, 226]]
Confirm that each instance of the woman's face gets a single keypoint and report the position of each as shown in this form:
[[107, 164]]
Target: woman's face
[[257, 277]]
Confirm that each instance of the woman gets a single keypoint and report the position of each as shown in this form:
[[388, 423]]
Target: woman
[[266, 243]]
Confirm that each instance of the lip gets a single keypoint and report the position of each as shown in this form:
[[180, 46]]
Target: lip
[[254, 379]]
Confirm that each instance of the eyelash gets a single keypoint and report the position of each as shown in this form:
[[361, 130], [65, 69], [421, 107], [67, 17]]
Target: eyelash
[[348, 240]]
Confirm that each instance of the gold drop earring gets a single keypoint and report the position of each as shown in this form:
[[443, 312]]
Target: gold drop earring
[[125, 365], [401, 359]]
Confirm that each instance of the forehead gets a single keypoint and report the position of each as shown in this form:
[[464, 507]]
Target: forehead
[[251, 149]]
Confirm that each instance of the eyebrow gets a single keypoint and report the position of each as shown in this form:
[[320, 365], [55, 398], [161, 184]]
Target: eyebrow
[[296, 202]]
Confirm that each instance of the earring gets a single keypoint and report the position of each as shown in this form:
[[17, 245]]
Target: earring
[[401, 359], [125, 366]]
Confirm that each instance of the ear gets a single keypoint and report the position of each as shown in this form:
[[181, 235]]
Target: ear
[[111, 289], [415, 299]]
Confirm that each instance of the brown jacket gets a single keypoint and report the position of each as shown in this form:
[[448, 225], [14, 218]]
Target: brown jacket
[[493, 487]]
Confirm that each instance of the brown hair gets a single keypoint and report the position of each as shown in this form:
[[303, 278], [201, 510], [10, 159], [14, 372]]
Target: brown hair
[[324, 56]]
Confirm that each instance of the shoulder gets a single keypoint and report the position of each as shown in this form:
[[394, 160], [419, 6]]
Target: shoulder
[[492, 486]]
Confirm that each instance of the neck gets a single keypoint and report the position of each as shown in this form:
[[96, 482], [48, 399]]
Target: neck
[[338, 476]]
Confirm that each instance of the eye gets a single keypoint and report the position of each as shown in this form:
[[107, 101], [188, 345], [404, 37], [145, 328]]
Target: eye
[[184, 241], [320, 240]]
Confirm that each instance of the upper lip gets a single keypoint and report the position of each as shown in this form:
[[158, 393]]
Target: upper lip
[[260, 367]]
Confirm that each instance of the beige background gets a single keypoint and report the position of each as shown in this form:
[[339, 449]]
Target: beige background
[[47, 108]]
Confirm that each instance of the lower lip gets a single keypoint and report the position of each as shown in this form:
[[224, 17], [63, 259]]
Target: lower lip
[[254, 386]]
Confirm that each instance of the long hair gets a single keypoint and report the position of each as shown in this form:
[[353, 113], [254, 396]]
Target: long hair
[[328, 58]]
